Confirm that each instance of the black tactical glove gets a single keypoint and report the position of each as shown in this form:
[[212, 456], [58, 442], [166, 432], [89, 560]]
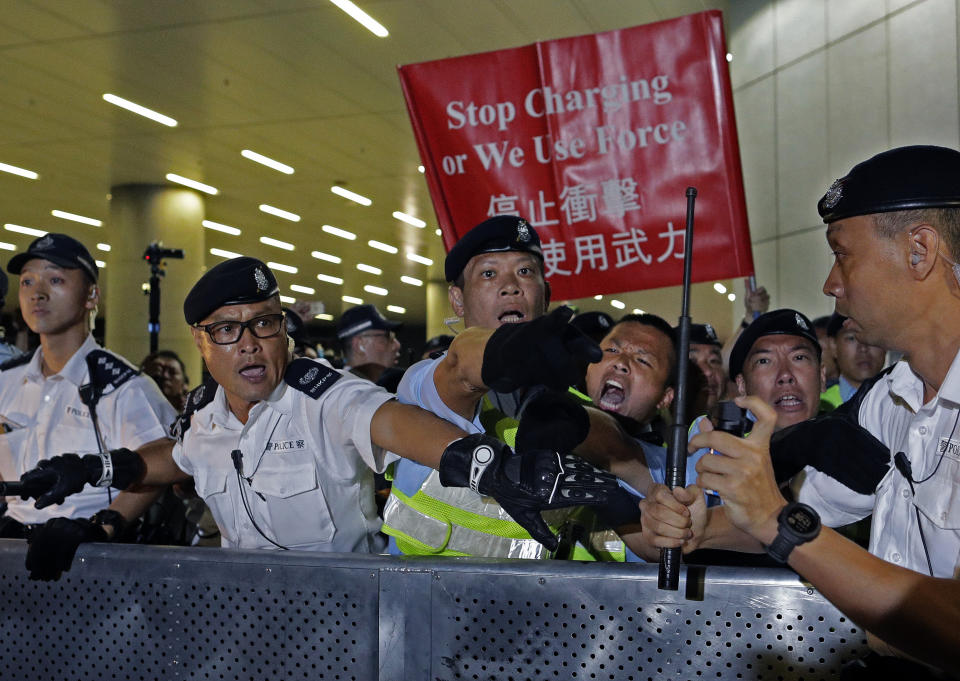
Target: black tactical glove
[[546, 351], [53, 545], [524, 484], [53, 480], [552, 420]]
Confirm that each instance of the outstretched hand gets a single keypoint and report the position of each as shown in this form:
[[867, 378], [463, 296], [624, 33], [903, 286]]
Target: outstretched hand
[[740, 471], [525, 484], [546, 351]]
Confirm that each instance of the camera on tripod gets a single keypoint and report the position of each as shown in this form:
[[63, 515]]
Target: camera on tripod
[[156, 252]]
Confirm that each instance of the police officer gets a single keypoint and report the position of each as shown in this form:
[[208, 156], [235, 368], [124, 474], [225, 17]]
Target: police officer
[[497, 287], [283, 452], [368, 337], [856, 362], [70, 394], [7, 350], [705, 352], [892, 224]]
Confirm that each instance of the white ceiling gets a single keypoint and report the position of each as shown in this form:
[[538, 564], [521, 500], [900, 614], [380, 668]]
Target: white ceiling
[[296, 80]]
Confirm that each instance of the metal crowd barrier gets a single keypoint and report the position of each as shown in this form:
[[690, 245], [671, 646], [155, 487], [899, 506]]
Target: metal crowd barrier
[[144, 613]]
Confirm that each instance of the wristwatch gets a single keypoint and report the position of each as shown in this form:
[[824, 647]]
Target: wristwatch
[[797, 524]]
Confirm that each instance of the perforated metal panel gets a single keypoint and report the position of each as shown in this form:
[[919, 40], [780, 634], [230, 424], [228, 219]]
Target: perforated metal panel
[[151, 615], [144, 613], [765, 625]]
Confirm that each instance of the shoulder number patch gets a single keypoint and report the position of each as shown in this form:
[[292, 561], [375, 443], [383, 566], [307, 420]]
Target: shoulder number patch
[[310, 377]]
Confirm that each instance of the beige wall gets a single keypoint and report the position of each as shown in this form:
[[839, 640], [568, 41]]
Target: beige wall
[[820, 85]]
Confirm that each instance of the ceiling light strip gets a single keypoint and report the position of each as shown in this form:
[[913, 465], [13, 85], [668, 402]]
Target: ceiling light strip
[[352, 196], [279, 212], [193, 184], [219, 227], [140, 110], [22, 172], [64, 215], [267, 161], [362, 18]]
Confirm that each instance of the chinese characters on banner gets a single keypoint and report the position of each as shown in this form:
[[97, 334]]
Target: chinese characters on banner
[[594, 140]]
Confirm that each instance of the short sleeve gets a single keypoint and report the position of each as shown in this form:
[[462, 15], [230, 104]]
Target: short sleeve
[[140, 414], [183, 463], [346, 411]]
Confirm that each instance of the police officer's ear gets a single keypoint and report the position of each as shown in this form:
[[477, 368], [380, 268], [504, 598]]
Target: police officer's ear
[[924, 243], [455, 295], [93, 297], [197, 333], [742, 386]]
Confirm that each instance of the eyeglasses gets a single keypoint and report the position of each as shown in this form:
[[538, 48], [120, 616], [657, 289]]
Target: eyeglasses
[[225, 333], [388, 335]]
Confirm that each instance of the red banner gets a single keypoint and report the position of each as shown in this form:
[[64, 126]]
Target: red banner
[[594, 140]]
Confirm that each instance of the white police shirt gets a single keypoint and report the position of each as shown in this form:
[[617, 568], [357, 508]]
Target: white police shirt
[[47, 417], [307, 463], [929, 435]]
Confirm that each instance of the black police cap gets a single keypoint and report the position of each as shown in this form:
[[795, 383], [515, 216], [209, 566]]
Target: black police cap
[[595, 324], [906, 178], [59, 249], [363, 318], [499, 233], [702, 334], [237, 281], [785, 322]]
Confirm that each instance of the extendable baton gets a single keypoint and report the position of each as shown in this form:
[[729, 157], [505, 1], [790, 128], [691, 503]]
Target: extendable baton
[[676, 473]]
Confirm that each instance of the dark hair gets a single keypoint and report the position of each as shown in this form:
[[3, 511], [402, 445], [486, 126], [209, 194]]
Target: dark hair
[[661, 325], [946, 220], [166, 354], [821, 322]]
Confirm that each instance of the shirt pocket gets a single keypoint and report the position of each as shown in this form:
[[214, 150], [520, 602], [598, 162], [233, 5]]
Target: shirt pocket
[[939, 497], [298, 509], [211, 485]]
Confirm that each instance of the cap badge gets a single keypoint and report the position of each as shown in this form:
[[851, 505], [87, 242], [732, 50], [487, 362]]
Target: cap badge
[[604, 322], [711, 334], [523, 232], [45, 242], [802, 324], [309, 376], [834, 194], [261, 279]]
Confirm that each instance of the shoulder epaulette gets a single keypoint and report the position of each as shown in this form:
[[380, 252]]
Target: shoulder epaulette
[[310, 377], [196, 400], [17, 361], [107, 372]]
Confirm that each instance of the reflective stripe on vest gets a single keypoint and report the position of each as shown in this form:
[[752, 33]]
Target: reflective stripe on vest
[[456, 521]]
